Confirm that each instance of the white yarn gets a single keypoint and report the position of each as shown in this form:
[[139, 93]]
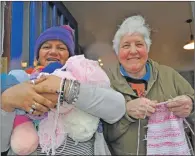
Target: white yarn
[[80, 125], [138, 137]]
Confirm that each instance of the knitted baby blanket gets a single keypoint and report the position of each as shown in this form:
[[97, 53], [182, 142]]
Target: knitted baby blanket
[[165, 135]]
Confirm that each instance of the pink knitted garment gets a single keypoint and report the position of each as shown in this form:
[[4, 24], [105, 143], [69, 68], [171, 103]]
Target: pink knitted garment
[[85, 71], [20, 119], [165, 135]]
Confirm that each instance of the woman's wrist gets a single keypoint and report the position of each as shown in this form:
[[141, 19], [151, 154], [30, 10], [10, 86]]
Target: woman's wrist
[[70, 91]]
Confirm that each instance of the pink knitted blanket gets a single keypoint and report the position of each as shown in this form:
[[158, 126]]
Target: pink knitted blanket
[[71, 121], [166, 134]]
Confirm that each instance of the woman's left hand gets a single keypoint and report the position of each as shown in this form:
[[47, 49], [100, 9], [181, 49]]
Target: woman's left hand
[[181, 106]]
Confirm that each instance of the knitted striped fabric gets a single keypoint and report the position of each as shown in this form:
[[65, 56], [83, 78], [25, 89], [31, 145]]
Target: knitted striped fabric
[[165, 135], [82, 148]]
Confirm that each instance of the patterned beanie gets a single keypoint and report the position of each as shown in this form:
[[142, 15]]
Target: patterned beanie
[[62, 33]]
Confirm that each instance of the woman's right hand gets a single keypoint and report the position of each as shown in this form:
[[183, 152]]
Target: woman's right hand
[[140, 108], [24, 95]]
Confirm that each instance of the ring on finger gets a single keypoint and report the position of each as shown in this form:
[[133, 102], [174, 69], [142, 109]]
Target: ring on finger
[[31, 111], [34, 106]]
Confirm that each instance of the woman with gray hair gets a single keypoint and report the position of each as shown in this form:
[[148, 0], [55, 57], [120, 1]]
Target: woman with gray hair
[[158, 99]]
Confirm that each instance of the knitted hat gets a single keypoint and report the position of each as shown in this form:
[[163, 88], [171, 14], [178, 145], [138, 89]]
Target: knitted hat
[[62, 33]]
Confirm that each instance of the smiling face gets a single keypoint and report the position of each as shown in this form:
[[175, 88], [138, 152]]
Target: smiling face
[[52, 51], [133, 54]]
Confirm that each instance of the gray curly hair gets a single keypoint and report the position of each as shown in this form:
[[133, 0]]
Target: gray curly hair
[[133, 24]]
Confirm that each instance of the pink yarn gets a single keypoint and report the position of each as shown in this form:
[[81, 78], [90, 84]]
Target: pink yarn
[[76, 68], [24, 139], [63, 74], [87, 71], [19, 119], [165, 135], [47, 139]]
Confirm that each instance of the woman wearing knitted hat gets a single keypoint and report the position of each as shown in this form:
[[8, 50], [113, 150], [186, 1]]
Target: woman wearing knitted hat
[[158, 99], [39, 96]]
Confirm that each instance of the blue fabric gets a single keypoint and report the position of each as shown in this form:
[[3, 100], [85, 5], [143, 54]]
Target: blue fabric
[[50, 68], [7, 81], [146, 77], [56, 33], [20, 75], [100, 127]]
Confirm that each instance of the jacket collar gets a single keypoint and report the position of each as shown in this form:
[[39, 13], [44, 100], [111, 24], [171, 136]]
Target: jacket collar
[[146, 77], [120, 84]]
